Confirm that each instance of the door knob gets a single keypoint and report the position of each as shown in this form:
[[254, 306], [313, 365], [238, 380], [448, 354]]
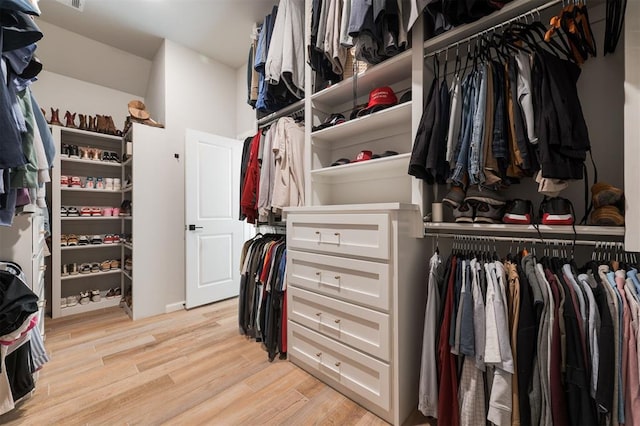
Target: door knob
[[193, 227]]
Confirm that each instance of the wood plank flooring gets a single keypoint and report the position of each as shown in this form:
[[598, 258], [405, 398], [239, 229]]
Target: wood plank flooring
[[187, 367]]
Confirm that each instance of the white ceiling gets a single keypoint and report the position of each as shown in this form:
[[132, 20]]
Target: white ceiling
[[219, 29]]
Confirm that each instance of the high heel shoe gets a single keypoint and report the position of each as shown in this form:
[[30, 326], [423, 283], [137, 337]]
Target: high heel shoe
[[70, 120], [55, 121]]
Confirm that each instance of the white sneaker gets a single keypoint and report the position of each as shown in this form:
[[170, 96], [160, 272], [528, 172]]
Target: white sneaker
[[117, 186], [108, 184]]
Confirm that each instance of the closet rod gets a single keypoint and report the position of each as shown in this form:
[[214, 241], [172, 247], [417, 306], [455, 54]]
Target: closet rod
[[550, 241], [493, 28], [288, 110]]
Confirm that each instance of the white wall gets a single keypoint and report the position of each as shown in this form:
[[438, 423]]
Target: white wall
[[245, 115], [66, 93], [200, 95], [67, 53], [156, 87]]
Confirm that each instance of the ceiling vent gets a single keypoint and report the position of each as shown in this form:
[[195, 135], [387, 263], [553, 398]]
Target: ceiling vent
[[75, 4]]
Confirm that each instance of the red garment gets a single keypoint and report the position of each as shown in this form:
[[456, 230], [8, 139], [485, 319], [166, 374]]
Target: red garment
[[448, 410], [266, 265], [249, 196]]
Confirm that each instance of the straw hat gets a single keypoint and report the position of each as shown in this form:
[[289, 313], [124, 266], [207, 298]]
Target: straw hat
[[138, 110]]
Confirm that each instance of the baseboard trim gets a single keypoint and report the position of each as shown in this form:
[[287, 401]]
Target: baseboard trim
[[172, 307]]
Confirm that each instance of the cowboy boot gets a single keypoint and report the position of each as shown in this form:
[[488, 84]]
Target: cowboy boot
[[83, 122], [55, 121], [70, 120], [90, 126], [111, 126], [44, 114], [101, 125]]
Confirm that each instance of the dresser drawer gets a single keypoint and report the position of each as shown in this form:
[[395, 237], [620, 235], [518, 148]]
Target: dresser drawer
[[357, 281], [37, 232], [350, 324], [365, 235], [340, 365]]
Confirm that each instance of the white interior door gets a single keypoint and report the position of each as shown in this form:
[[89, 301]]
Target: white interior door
[[214, 235]]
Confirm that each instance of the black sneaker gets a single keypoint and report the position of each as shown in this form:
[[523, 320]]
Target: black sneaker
[[483, 194], [73, 151], [464, 213], [454, 197], [556, 211], [332, 120], [487, 213], [518, 212], [65, 149]]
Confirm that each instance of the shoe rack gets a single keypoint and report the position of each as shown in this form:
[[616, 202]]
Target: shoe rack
[[86, 209]]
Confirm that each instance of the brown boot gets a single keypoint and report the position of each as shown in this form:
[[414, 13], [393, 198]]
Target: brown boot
[[111, 126], [101, 124], [70, 120], [55, 121], [83, 122], [90, 123], [44, 114]]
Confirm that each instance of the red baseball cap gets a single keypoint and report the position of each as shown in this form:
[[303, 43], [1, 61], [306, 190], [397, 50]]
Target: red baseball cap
[[363, 156], [379, 98]]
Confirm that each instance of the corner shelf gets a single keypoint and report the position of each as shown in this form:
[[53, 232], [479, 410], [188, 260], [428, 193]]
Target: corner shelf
[[395, 165], [398, 115], [91, 275], [92, 162], [91, 306], [71, 189], [90, 246], [127, 275], [128, 246], [129, 162], [393, 69]]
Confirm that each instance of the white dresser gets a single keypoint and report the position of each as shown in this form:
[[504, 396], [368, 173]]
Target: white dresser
[[24, 244], [356, 291]]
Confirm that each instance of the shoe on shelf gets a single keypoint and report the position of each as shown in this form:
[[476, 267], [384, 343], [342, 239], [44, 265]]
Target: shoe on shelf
[[556, 211], [73, 268], [84, 298], [114, 157], [95, 267], [105, 266], [85, 211], [108, 184], [65, 270], [74, 152], [607, 216], [125, 208], [63, 240], [116, 239], [64, 212], [65, 150], [518, 212], [484, 194], [83, 122], [487, 213], [73, 212], [96, 239], [115, 264], [454, 197], [96, 154], [63, 302], [84, 152], [116, 184], [64, 180], [83, 240], [72, 240], [111, 293], [70, 120], [96, 211], [85, 268], [108, 239], [107, 211], [106, 156], [116, 211], [95, 295], [89, 183], [604, 194], [99, 183], [72, 301], [464, 213], [76, 182], [128, 264]]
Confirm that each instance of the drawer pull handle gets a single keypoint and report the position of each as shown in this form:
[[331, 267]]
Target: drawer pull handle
[[337, 364], [337, 277], [318, 273], [319, 354], [318, 314], [337, 321], [337, 234], [317, 232]]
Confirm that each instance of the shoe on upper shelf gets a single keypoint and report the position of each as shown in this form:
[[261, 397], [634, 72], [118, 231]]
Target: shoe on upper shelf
[[556, 211], [519, 212]]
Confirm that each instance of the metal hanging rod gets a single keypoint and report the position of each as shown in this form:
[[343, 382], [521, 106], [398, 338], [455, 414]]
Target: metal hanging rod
[[292, 109], [457, 43], [550, 241]]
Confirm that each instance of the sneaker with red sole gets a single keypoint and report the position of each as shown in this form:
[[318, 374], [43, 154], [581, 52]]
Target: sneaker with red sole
[[518, 212], [556, 211], [108, 239]]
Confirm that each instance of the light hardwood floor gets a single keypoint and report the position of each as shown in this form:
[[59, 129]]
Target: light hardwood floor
[[187, 367]]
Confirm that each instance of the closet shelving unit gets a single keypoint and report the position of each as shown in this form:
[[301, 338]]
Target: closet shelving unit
[[71, 285], [360, 216]]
